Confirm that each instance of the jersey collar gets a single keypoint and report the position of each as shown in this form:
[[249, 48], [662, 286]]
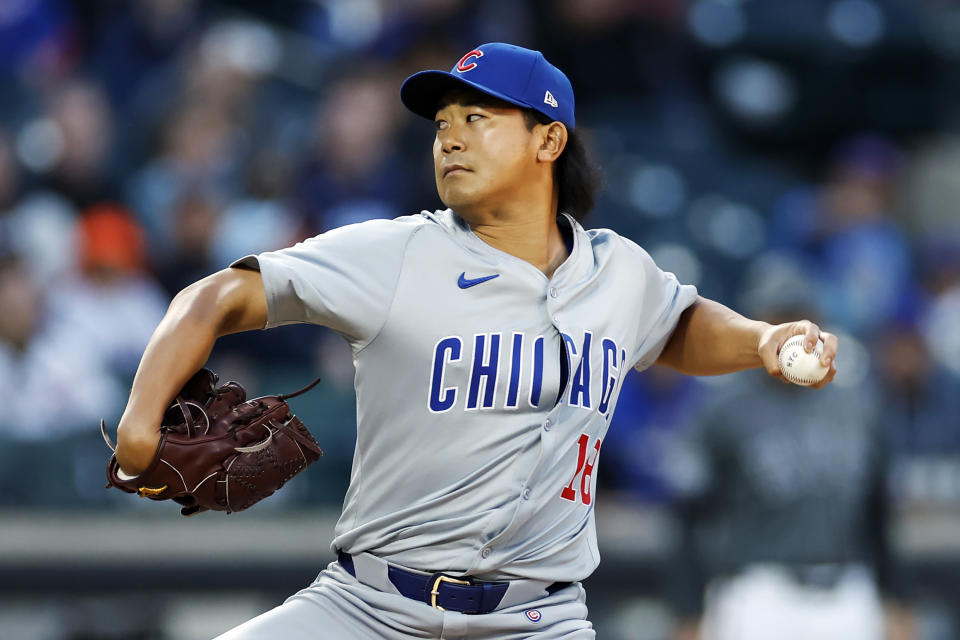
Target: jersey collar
[[576, 267]]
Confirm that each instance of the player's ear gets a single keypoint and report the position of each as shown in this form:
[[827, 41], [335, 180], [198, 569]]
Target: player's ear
[[553, 140]]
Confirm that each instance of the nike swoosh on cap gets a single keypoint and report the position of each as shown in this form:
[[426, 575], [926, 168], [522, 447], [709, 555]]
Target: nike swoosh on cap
[[465, 283]]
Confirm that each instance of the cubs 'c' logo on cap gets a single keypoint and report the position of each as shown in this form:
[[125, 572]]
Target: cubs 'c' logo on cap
[[463, 65], [533, 615]]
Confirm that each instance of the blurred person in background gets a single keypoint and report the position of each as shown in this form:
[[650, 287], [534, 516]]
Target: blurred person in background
[[262, 219], [651, 413], [203, 138], [195, 218], [929, 212], [57, 384], [356, 172], [845, 226], [134, 46], [782, 499], [919, 405], [111, 302], [196, 155], [80, 169], [35, 223]]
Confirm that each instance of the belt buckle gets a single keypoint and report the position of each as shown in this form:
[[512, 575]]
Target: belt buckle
[[435, 590]]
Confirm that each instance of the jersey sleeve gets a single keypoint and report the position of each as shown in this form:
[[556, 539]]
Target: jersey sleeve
[[661, 301], [343, 279]]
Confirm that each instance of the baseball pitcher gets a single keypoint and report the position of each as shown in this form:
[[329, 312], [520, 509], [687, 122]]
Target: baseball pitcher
[[491, 341]]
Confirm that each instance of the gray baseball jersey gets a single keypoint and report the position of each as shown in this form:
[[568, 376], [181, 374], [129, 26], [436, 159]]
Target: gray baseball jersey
[[477, 440]]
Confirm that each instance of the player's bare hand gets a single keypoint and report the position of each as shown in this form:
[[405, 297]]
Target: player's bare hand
[[136, 447], [773, 339]]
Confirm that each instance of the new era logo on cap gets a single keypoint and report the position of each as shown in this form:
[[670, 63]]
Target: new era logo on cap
[[522, 77]]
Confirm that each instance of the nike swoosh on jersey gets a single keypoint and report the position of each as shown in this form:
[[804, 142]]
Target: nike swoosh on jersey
[[464, 283]]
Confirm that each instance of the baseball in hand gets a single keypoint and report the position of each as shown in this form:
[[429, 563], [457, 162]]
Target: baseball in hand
[[800, 367]]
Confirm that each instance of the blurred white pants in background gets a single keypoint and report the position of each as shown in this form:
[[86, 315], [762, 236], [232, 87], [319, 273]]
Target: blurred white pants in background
[[769, 602]]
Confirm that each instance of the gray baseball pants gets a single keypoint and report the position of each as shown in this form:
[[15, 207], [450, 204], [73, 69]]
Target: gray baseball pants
[[339, 606]]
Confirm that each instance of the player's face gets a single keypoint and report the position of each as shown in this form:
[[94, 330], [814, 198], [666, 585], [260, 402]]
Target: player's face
[[483, 154]]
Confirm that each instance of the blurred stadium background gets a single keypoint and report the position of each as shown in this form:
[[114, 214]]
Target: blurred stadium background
[[788, 152]]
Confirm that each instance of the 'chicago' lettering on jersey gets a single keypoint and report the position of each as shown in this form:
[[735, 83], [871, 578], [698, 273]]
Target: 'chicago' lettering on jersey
[[486, 361], [494, 357]]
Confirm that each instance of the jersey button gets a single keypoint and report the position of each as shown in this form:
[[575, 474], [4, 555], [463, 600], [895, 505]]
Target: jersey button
[[526, 493], [547, 425], [486, 552], [553, 292]]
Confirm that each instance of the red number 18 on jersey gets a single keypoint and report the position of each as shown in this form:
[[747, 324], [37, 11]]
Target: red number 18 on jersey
[[584, 471]]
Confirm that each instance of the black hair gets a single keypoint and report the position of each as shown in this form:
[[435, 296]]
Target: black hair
[[578, 176]]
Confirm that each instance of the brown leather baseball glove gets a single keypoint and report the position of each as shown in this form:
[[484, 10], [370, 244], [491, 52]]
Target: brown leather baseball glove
[[219, 450]]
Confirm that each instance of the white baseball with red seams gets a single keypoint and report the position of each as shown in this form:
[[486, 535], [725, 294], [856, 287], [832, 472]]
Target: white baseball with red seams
[[800, 367]]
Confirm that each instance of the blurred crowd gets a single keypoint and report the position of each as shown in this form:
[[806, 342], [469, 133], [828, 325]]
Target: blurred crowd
[[793, 156]]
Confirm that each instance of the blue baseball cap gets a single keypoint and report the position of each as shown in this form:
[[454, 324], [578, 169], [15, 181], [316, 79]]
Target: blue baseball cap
[[519, 76]]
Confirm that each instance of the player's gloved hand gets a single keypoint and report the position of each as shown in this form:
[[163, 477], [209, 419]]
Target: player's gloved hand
[[217, 450], [774, 337]]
